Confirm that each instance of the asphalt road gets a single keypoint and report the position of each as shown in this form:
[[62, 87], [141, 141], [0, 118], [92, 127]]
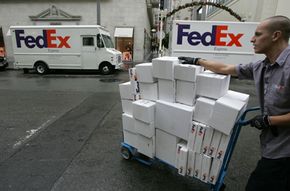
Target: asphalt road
[[62, 132]]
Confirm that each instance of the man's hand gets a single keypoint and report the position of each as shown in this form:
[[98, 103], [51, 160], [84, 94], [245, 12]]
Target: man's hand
[[188, 60], [262, 122]]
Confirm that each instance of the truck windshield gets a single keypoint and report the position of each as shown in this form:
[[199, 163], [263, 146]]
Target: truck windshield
[[108, 41]]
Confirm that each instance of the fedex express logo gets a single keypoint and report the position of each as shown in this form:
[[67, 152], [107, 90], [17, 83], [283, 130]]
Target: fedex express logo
[[48, 39], [217, 37]]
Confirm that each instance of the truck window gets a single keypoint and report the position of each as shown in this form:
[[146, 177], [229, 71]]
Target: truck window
[[108, 41], [88, 41]]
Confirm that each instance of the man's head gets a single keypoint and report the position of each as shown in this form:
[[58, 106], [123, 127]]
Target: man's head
[[271, 32], [280, 23]]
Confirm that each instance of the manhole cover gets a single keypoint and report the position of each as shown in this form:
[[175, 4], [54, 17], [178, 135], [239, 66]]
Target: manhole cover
[[109, 80]]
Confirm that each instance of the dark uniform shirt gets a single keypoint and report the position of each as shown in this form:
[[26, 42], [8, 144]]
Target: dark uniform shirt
[[273, 89]]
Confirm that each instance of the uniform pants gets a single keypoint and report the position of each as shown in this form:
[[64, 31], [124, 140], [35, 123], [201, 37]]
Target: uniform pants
[[270, 175]]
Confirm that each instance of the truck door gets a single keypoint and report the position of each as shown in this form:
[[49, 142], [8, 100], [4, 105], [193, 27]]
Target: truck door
[[89, 48]]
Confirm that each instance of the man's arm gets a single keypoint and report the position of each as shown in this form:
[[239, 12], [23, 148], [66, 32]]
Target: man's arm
[[280, 120], [218, 67]]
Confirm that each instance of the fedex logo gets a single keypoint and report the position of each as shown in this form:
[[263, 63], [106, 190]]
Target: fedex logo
[[49, 39], [217, 37]]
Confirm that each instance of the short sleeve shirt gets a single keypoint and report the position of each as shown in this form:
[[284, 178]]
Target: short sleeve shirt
[[273, 90]]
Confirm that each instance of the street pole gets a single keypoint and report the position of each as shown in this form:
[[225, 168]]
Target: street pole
[[160, 31], [98, 13]]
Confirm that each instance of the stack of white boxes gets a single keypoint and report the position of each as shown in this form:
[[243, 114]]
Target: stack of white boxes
[[181, 115]]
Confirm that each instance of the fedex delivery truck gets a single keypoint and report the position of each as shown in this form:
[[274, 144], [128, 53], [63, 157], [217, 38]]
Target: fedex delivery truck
[[64, 47], [228, 42]]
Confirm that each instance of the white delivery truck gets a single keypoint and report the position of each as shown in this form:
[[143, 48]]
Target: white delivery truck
[[228, 42], [64, 47]]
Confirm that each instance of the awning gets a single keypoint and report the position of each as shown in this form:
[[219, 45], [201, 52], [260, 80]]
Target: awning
[[123, 32]]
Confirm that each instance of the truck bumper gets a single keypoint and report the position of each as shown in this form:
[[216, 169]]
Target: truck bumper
[[118, 66]]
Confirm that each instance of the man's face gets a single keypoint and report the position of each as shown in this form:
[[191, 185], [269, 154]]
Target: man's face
[[262, 40]]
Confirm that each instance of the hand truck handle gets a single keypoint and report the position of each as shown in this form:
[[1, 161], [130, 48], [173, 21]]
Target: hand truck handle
[[242, 121]]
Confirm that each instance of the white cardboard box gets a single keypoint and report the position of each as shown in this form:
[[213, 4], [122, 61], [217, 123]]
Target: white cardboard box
[[192, 135], [149, 91], [136, 96], [205, 169], [203, 110], [190, 163], [207, 139], [181, 144], [130, 138], [144, 73], [212, 85], [132, 74], [223, 146], [214, 171], [185, 92], [135, 89], [166, 147], [144, 110], [128, 123], [199, 138], [186, 72], [197, 165], [174, 118], [166, 90], [216, 138], [225, 113], [145, 129], [239, 96], [126, 90], [163, 67], [127, 106], [182, 161], [146, 146]]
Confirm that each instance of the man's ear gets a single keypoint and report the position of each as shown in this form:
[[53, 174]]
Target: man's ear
[[276, 35]]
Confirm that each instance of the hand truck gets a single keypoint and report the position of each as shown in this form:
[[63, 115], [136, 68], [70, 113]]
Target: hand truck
[[128, 152]]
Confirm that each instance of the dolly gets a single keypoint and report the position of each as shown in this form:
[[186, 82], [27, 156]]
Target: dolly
[[128, 152]]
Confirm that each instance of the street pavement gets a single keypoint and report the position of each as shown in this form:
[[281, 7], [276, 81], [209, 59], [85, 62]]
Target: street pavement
[[62, 132]]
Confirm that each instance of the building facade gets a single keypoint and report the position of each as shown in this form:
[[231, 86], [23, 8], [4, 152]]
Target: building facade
[[249, 10], [128, 21]]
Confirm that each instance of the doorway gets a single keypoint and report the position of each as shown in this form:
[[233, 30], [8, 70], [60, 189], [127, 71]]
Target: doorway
[[124, 40], [125, 45], [2, 44]]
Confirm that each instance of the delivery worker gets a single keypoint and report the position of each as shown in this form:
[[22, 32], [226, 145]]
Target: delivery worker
[[272, 80]]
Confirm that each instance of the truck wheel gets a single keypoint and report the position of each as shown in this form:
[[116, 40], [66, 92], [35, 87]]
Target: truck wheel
[[106, 69], [41, 68], [125, 152]]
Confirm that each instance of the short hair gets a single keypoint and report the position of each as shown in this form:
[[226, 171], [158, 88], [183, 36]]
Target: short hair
[[280, 23]]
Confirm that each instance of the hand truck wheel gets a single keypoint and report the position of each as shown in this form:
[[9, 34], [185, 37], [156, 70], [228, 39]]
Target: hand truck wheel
[[126, 153], [223, 187]]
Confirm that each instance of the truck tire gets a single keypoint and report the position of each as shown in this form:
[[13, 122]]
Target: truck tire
[[106, 68], [41, 68]]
